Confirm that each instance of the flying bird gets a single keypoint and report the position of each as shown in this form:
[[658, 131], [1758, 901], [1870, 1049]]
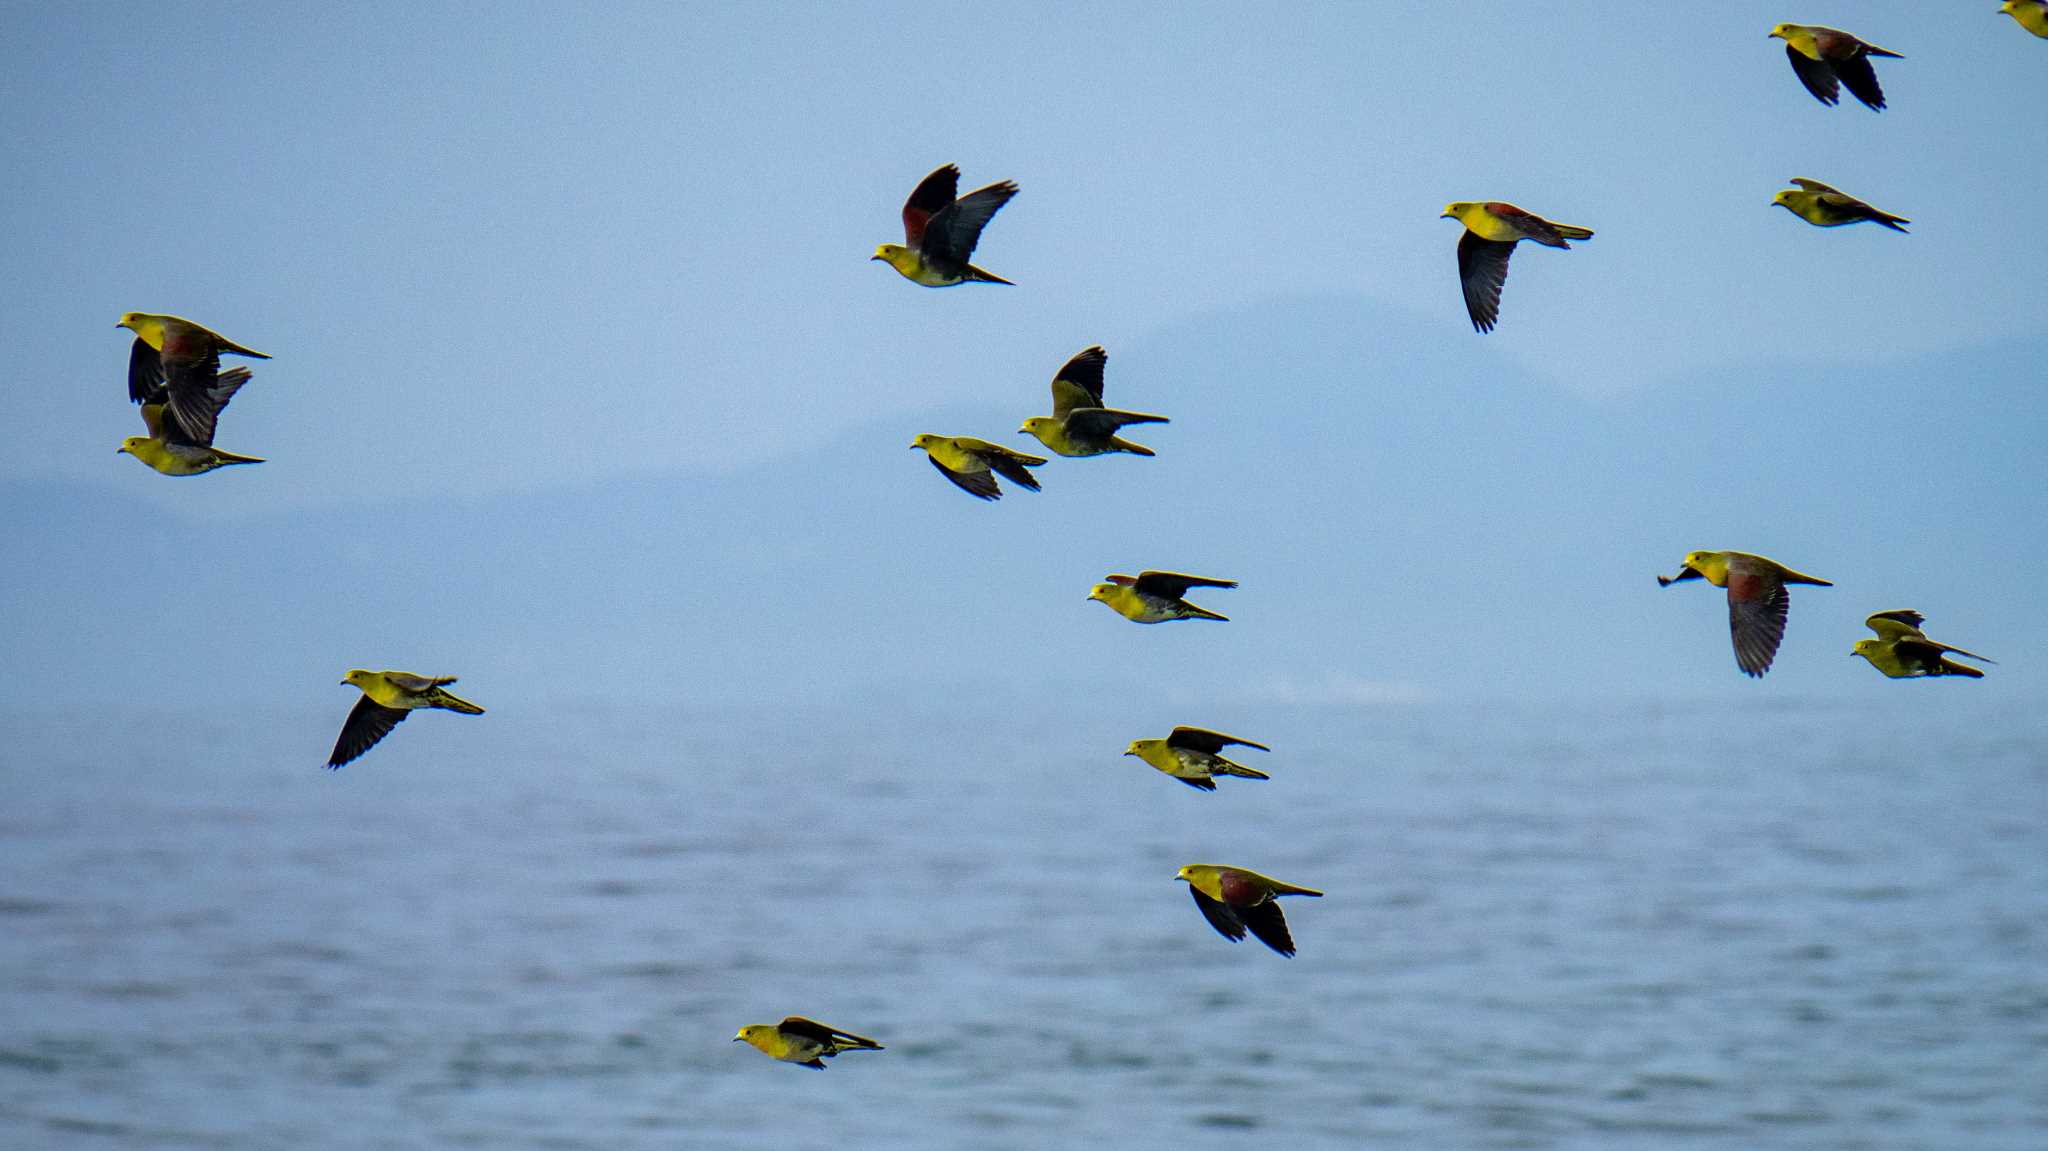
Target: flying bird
[[388, 697], [1902, 651], [2031, 15], [1492, 229], [1155, 597], [1235, 901], [173, 362], [170, 447], [1191, 755], [1757, 600], [973, 464], [939, 232], [1828, 59], [805, 1042], [1080, 425], [1826, 207]]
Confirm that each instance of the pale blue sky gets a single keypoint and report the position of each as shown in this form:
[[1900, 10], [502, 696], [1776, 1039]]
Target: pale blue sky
[[507, 251]]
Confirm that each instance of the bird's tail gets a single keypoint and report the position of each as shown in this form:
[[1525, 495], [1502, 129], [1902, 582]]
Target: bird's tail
[[1798, 577], [980, 276], [1124, 445], [1573, 232], [1874, 50], [231, 346], [227, 458], [443, 698], [1225, 767], [1190, 611], [1280, 888], [1889, 220]]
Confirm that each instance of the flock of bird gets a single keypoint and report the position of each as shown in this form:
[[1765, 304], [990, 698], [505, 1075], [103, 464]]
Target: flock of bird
[[174, 373]]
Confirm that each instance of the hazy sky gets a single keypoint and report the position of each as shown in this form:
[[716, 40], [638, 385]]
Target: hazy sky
[[514, 250]]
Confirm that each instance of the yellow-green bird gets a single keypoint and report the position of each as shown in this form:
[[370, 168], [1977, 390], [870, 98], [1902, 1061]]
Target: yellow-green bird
[[1757, 600], [388, 697], [1234, 901], [1902, 651], [1190, 754], [172, 362], [1826, 207], [1829, 59], [804, 1042], [1492, 229], [1080, 425], [171, 447], [2031, 15], [939, 231], [1155, 597], [973, 465]]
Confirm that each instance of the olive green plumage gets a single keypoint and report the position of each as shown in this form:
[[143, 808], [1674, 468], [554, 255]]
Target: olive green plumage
[[1902, 651], [804, 1042]]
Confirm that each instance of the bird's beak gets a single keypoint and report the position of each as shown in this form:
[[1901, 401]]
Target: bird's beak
[[1128, 751], [1444, 216], [872, 259], [736, 1038]]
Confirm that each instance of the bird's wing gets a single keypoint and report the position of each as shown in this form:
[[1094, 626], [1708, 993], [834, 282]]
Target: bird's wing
[[1094, 423], [1219, 915], [1817, 75], [368, 722], [1173, 585], [1482, 271], [950, 236], [829, 1036], [1861, 79], [1078, 384], [1526, 222], [406, 681], [1813, 185], [1893, 624], [193, 403], [153, 419], [980, 484], [1199, 783], [1266, 922], [145, 373], [1011, 465], [1202, 739], [1756, 619], [933, 194]]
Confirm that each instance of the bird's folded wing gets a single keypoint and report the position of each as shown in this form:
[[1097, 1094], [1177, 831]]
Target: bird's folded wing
[[1173, 585], [933, 194], [979, 484], [406, 681], [1202, 739], [1094, 423], [1812, 185], [950, 237], [1219, 915], [1919, 646], [367, 723], [1078, 384], [1817, 75], [830, 1036], [145, 373], [1482, 271], [1266, 922], [1756, 620], [1012, 466]]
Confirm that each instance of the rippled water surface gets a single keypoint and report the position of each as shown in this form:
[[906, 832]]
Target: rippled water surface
[[1713, 926]]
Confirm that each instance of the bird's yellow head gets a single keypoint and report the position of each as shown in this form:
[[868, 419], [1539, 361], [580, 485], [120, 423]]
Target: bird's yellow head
[[1780, 32], [896, 256], [129, 320], [1138, 746], [1103, 591], [1867, 648], [130, 444], [924, 440], [1186, 874], [1784, 198], [356, 677], [754, 1033], [1040, 426], [1457, 210]]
